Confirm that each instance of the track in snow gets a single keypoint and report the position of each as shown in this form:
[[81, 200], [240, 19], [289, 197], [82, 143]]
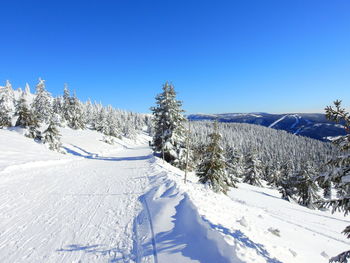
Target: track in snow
[[80, 211]]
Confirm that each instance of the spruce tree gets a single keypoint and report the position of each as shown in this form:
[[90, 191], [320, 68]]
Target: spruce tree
[[6, 105], [169, 132], [51, 135], [234, 165], [76, 113], [112, 123], [5, 113], [212, 170], [307, 189], [66, 104], [253, 169], [24, 113], [274, 175], [339, 172], [286, 181], [41, 105]]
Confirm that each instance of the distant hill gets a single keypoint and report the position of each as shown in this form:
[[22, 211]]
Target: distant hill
[[313, 125]]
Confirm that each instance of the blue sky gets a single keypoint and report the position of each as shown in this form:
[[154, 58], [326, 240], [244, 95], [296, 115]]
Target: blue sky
[[222, 56]]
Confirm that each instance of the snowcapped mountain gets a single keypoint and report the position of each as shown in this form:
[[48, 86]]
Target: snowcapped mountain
[[313, 125]]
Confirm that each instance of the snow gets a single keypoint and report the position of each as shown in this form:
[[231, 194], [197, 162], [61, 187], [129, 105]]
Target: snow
[[277, 121], [119, 203]]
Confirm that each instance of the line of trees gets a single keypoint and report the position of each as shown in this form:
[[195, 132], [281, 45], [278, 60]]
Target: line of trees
[[41, 114]]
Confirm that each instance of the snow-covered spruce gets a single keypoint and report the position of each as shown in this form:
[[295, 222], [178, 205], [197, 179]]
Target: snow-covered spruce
[[169, 131], [51, 135], [212, 169], [6, 105], [253, 169], [339, 172], [42, 107]]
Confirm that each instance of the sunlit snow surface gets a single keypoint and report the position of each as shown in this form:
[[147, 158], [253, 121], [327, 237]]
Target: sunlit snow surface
[[118, 203]]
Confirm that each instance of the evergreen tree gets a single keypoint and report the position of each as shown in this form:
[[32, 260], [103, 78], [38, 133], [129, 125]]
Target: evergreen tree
[[33, 129], [76, 113], [169, 137], [339, 173], [5, 114], [41, 105], [286, 182], [274, 175], [212, 170], [234, 165], [307, 189], [112, 123], [253, 169], [101, 124], [24, 113], [6, 105], [52, 136], [66, 103]]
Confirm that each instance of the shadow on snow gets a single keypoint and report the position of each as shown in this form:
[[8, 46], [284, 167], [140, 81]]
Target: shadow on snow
[[94, 156]]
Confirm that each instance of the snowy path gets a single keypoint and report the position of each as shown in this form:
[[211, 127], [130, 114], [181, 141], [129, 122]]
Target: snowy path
[[80, 211]]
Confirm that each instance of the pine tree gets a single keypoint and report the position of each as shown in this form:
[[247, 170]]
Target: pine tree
[[41, 105], [52, 136], [212, 170], [339, 173], [253, 169], [169, 134], [307, 189]]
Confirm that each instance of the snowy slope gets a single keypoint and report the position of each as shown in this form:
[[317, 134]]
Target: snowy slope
[[118, 203]]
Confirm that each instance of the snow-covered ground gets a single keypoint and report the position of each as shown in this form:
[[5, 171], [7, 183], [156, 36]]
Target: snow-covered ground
[[118, 203]]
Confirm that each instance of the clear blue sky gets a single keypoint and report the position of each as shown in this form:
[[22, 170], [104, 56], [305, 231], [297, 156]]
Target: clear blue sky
[[222, 56]]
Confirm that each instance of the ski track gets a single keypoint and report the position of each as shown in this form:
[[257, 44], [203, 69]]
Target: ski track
[[81, 211], [277, 121]]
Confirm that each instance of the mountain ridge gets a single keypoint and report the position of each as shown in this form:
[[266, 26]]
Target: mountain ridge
[[313, 125]]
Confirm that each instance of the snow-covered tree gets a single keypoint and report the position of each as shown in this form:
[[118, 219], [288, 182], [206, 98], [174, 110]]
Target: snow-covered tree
[[26, 117], [6, 105], [57, 107], [66, 103], [274, 175], [339, 173], [112, 123], [234, 164], [41, 106], [51, 135], [27, 89], [212, 170], [253, 169], [76, 114], [101, 124], [286, 181], [72, 110], [307, 188], [5, 114], [169, 133]]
